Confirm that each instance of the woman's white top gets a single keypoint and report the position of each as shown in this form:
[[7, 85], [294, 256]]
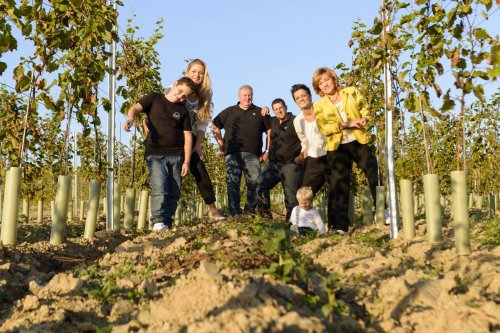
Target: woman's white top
[[310, 137], [196, 125]]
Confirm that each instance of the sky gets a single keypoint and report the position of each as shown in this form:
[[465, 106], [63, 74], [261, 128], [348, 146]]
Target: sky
[[269, 45]]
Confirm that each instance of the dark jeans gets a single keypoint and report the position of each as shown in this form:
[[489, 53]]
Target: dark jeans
[[340, 162], [165, 175], [236, 164], [289, 175], [200, 173], [316, 173]]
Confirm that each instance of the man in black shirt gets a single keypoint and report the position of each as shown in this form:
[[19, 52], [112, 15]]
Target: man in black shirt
[[168, 147], [285, 161], [243, 127]]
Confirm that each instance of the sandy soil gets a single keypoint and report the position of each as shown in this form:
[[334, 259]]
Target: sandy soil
[[217, 277]]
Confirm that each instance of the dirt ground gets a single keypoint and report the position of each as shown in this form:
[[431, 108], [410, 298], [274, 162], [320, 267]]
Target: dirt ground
[[234, 276]]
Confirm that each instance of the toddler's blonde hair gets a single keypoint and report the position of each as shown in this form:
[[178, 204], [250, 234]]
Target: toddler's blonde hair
[[305, 193]]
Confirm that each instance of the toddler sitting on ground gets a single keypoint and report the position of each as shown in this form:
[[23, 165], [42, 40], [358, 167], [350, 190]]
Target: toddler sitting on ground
[[304, 218]]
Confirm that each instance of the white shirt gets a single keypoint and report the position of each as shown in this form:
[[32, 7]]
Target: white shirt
[[347, 134], [307, 218], [310, 137]]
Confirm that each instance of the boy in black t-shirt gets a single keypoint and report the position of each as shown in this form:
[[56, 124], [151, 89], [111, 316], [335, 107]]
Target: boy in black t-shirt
[[168, 147]]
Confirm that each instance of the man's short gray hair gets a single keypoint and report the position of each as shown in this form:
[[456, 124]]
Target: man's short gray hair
[[246, 87]]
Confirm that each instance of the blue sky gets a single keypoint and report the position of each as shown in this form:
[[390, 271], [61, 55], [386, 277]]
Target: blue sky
[[270, 45]]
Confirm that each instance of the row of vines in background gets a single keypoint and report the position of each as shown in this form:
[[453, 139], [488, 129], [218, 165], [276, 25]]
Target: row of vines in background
[[440, 58], [62, 77]]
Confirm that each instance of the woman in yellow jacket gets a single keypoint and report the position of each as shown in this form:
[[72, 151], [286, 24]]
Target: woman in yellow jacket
[[343, 117]]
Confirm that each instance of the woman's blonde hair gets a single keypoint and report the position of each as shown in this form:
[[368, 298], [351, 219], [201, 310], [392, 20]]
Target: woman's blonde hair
[[204, 92], [305, 193], [317, 77]]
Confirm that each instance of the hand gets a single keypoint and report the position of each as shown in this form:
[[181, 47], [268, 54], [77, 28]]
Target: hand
[[355, 124], [218, 137], [197, 150], [145, 125], [184, 169], [351, 124], [264, 111], [264, 156], [299, 159], [128, 124], [363, 122], [221, 147]]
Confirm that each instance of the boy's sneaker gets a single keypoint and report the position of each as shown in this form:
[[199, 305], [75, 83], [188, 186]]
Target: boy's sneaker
[[294, 228], [159, 227]]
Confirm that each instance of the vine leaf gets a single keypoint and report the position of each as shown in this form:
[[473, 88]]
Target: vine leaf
[[480, 33], [23, 84], [448, 103]]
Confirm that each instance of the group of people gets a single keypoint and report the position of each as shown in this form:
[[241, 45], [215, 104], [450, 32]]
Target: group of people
[[306, 151]]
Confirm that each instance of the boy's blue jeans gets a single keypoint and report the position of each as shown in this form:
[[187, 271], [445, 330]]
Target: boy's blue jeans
[[165, 176]]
